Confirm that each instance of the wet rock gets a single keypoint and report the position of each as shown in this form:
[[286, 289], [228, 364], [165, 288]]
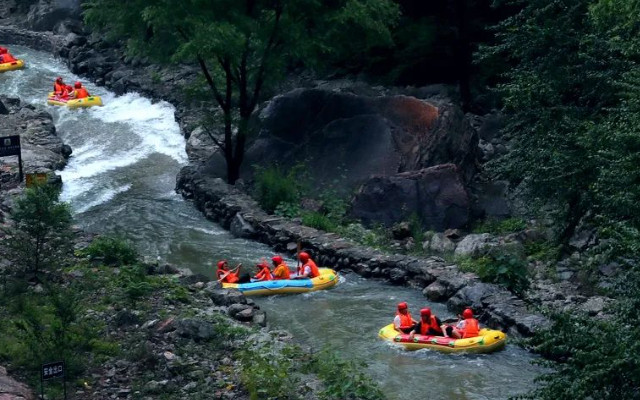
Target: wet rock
[[401, 230], [241, 312], [435, 292], [397, 275], [227, 297], [260, 318], [195, 329], [240, 228], [192, 279]]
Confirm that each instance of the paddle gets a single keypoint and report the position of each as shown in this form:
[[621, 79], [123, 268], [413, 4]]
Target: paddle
[[228, 272]]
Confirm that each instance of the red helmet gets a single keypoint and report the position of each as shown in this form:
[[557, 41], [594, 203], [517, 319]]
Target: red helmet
[[467, 313], [222, 264], [77, 85], [402, 306], [425, 312], [277, 260], [59, 79], [303, 256], [69, 87]]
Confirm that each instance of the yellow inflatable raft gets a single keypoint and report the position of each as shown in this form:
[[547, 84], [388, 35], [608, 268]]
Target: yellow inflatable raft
[[10, 66], [327, 278], [74, 103], [488, 341]]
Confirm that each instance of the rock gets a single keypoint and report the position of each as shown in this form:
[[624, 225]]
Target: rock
[[401, 230], [126, 318], [474, 244], [437, 194], [491, 200], [439, 243], [11, 389], [227, 297], [594, 305], [193, 279], [200, 146], [397, 275], [240, 228], [241, 312], [260, 318], [435, 292], [583, 238], [195, 329], [609, 270]]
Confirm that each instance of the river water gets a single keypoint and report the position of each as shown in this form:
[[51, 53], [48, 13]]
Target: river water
[[120, 179]]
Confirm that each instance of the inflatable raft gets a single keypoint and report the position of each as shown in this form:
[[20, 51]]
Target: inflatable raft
[[90, 101], [10, 66], [488, 341], [327, 278]]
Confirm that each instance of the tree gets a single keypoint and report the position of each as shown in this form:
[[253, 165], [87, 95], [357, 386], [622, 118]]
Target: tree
[[243, 47], [562, 97], [41, 233]]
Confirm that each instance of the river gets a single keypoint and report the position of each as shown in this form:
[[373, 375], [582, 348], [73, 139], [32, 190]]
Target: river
[[120, 179]]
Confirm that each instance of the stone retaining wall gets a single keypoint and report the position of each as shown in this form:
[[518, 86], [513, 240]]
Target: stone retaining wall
[[439, 280]]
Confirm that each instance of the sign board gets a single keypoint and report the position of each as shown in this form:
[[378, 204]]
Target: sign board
[[9, 146], [33, 179], [52, 370]]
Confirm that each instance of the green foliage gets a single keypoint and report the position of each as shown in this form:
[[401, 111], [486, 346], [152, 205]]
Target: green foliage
[[319, 221], [268, 376], [500, 227], [288, 210], [134, 282], [500, 266], [273, 186], [243, 48], [41, 236], [343, 379], [572, 109], [593, 358], [377, 238], [114, 250]]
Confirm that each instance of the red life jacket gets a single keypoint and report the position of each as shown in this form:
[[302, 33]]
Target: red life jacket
[[406, 321], [314, 269], [81, 93], [230, 278], [264, 274], [59, 88], [7, 58], [471, 328], [433, 324]]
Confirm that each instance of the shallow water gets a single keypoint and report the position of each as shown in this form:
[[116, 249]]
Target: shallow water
[[120, 179]]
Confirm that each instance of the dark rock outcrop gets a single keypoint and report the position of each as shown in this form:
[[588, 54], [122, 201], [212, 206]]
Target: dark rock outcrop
[[437, 195], [13, 390]]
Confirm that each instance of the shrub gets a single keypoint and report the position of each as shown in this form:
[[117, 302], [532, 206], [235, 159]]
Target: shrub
[[114, 250], [274, 186], [343, 379], [502, 267], [319, 221], [500, 227], [268, 376], [133, 280], [377, 238], [41, 236]]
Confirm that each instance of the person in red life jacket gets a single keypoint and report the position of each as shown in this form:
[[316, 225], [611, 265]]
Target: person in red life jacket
[[403, 321], [225, 274], [80, 92], [281, 270], [5, 56], [467, 328], [264, 274], [429, 324], [308, 269], [60, 89]]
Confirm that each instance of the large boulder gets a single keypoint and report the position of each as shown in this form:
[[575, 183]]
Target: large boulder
[[13, 390], [355, 136], [437, 195], [45, 15]]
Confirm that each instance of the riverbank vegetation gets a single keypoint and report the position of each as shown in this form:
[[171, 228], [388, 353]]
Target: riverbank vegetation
[[124, 328]]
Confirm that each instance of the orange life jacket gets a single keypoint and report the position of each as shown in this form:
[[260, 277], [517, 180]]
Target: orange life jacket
[[314, 269], [406, 321], [59, 89], [433, 324], [282, 272], [230, 278], [471, 328], [7, 58], [264, 274], [81, 93]]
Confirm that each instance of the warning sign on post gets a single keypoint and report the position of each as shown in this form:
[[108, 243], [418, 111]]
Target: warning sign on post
[[9, 146]]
